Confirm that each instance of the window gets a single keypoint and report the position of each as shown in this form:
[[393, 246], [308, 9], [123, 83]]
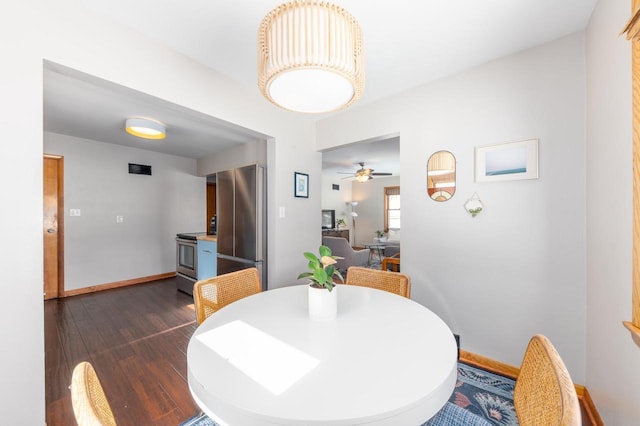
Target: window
[[633, 34], [391, 208]]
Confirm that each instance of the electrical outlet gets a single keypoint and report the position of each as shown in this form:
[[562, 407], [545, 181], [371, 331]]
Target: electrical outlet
[[75, 212], [119, 219]]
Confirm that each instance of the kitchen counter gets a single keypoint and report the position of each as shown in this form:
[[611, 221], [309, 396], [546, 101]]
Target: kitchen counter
[[212, 238]]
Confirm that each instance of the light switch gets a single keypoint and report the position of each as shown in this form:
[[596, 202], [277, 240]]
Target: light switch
[[119, 219], [281, 214], [75, 212]]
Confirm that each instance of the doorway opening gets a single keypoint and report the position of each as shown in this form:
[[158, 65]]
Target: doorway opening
[[359, 202]]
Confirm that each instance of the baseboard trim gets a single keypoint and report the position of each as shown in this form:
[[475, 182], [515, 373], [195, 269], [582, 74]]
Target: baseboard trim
[[511, 371], [109, 286], [489, 364], [591, 410]]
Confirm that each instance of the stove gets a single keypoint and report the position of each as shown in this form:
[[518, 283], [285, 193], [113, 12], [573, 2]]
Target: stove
[[187, 260]]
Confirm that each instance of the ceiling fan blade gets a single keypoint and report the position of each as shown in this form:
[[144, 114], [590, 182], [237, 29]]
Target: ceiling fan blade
[[381, 174]]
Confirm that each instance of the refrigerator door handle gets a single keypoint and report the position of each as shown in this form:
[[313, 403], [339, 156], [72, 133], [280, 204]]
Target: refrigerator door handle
[[236, 259]]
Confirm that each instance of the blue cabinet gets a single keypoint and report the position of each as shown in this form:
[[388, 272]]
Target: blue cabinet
[[207, 259]]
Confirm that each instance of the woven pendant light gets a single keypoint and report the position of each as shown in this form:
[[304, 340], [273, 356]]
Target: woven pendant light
[[310, 57]]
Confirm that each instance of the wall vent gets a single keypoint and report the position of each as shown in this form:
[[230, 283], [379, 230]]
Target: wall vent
[[139, 169]]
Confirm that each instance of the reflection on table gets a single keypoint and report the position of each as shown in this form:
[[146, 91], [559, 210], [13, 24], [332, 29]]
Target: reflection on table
[[385, 360]]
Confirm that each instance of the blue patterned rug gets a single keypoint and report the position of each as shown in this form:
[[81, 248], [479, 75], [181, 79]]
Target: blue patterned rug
[[479, 391], [485, 394], [199, 420]]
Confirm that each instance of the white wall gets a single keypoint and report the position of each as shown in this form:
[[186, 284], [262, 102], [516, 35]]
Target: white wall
[[154, 208], [22, 354], [337, 199], [612, 357], [370, 208], [238, 156], [63, 33], [519, 267]]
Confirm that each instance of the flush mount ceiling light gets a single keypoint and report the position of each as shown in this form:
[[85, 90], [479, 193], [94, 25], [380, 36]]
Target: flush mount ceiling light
[[145, 128], [310, 57]]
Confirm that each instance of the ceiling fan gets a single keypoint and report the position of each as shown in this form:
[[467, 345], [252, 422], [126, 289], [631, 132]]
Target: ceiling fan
[[363, 175]]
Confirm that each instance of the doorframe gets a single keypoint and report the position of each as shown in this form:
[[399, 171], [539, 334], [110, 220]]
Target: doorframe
[[60, 195]]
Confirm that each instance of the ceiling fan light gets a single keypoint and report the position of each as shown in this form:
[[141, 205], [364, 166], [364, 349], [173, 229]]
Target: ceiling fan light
[[145, 128], [310, 57]]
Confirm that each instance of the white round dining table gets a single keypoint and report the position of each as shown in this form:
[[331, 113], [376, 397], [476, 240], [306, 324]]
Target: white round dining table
[[385, 360]]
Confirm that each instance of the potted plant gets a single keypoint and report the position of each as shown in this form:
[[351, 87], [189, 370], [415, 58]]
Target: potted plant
[[340, 223], [322, 294], [321, 269], [380, 236]]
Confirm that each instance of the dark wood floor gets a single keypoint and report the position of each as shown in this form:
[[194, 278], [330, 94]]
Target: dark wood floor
[[136, 338]]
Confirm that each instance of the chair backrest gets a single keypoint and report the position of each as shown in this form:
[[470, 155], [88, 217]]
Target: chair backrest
[[217, 292], [90, 404], [390, 264], [337, 244], [544, 392], [393, 282]]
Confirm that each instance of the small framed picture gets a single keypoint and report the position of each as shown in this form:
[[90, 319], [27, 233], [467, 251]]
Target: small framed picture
[[507, 161], [301, 185]]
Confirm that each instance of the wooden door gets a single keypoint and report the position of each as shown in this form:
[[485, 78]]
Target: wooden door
[[52, 221], [211, 203]]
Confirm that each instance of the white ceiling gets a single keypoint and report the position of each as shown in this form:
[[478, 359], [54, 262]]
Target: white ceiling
[[86, 107], [383, 156], [407, 43]]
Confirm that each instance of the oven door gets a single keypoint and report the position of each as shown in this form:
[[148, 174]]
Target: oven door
[[187, 257]]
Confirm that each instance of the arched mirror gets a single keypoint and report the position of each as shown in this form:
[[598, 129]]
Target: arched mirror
[[441, 176]]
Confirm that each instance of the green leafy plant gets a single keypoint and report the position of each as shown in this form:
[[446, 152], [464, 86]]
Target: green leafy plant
[[475, 212], [322, 269], [340, 223], [379, 234]]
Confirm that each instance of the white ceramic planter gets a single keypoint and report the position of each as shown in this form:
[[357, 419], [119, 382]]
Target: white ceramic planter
[[323, 304]]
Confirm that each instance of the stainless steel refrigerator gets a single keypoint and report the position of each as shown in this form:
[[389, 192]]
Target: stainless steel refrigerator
[[241, 220]]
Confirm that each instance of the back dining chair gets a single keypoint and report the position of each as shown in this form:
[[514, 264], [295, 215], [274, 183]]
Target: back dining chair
[[90, 405], [393, 282], [544, 393], [214, 293]]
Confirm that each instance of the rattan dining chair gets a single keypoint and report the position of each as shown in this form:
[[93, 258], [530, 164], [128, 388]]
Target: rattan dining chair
[[394, 282], [217, 292], [90, 405], [544, 392]]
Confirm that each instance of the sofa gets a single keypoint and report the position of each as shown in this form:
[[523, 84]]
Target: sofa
[[340, 247], [392, 246]]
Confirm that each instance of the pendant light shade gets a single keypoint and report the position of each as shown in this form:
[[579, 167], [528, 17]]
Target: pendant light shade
[[310, 57], [441, 163], [145, 128]]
